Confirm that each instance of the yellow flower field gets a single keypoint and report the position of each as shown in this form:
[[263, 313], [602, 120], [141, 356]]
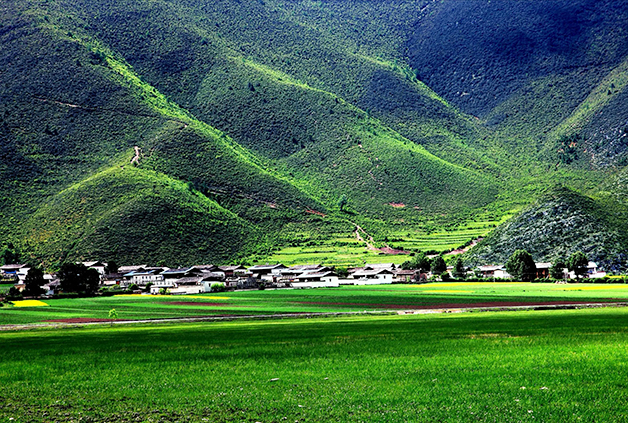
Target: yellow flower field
[[29, 303]]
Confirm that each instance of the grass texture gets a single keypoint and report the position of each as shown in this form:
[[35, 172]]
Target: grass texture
[[509, 367]]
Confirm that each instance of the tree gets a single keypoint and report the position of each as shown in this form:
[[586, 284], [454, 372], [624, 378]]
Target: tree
[[113, 315], [438, 265], [419, 261], [459, 272], [342, 272], [112, 267], [557, 269], [33, 283], [578, 263], [521, 266], [78, 278], [342, 202], [9, 255], [14, 294]]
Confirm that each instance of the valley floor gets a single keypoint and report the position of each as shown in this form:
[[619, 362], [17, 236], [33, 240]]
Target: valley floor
[[370, 298], [506, 366]]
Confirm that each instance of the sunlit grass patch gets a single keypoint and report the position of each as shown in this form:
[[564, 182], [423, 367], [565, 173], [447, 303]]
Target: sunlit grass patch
[[471, 366], [29, 303], [448, 291], [154, 296], [452, 284], [208, 297], [132, 295], [591, 288]]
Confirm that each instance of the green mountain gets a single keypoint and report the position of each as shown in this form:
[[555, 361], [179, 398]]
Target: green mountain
[[186, 131], [559, 224]]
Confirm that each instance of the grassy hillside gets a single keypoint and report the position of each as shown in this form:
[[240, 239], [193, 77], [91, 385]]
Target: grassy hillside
[[69, 186], [560, 223], [134, 215], [256, 117]]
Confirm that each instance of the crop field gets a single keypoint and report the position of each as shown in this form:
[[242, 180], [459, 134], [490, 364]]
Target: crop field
[[440, 236], [342, 250], [506, 366], [338, 252], [392, 298]]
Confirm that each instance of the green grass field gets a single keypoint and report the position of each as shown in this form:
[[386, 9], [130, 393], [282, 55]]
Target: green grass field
[[558, 366], [344, 299]]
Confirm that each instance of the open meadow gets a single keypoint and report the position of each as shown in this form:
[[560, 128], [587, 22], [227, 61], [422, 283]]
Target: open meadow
[[391, 298], [560, 366]]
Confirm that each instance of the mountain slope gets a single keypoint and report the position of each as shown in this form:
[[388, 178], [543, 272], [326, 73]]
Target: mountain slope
[[248, 119], [55, 137], [560, 223]]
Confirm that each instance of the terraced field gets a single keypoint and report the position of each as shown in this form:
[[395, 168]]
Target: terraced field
[[341, 252]]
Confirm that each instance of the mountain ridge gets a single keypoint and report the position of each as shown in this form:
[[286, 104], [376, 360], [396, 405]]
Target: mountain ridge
[[269, 113]]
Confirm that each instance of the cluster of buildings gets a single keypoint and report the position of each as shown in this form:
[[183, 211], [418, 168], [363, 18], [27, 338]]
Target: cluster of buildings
[[203, 278], [542, 272]]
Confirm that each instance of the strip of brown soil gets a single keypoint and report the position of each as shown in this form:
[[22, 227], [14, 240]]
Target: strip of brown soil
[[193, 303], [389, 250], [454, 305]]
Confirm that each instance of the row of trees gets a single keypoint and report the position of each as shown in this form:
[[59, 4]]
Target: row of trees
[[72, 278], [522, 267], [436, 265], [423, 264]]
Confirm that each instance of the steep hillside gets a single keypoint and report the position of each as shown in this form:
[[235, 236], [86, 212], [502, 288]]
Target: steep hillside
[[72, 109], [533, 71], [560, 223], [478, 53], [136, 216], [302, 94]]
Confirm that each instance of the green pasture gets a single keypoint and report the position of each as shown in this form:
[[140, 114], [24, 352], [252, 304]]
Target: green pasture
[[560, 366], [391, 298]]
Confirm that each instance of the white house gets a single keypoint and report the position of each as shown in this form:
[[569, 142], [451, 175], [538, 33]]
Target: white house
[[488, 271], [99, 266], [373, 276], [316, 280], [165, 284], [267, 272], [502, 274], [143, 278], [14, 270]]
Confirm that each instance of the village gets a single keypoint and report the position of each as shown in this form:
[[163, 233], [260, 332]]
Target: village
[[151, 280]]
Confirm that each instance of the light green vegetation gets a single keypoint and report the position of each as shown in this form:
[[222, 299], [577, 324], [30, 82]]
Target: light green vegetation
[[337, 252], [535, 366], [344, 299], [435, 236]]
